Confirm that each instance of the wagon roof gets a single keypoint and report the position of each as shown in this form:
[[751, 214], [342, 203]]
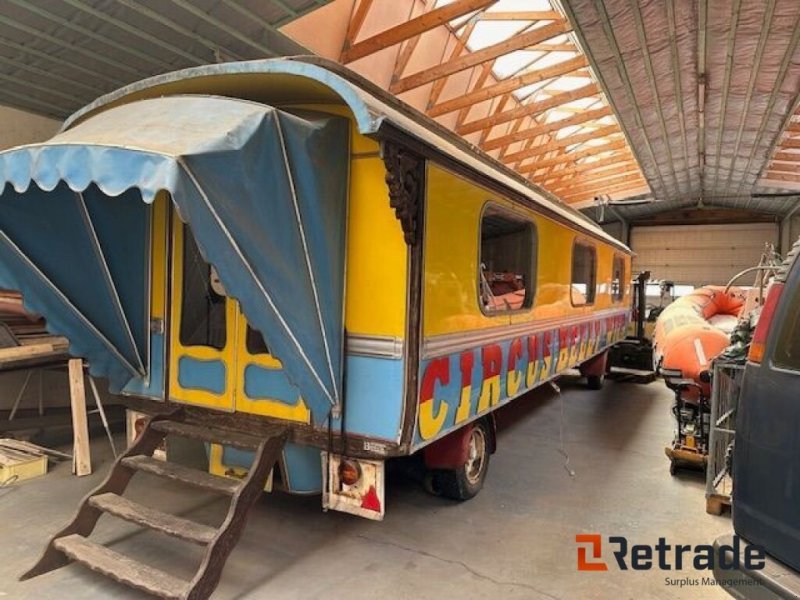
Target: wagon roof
[[313, 80]]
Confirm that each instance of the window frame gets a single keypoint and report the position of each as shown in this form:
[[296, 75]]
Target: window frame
[[529, 220], [623, 277], [593, 247], [792, 291]]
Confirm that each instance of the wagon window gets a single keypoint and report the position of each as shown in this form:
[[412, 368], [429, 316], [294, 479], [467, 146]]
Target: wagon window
[[584, 274], [203, 321], [255, 342], [508, 248], [618, 278]]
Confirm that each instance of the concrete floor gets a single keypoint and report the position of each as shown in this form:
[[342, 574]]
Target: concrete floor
[[515, 540]]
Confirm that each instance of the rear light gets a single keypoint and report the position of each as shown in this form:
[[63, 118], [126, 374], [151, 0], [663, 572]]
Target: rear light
[[758, 344], [349, 472]]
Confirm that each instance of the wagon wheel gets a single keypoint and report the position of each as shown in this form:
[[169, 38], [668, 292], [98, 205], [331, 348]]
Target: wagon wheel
[[466, 481]]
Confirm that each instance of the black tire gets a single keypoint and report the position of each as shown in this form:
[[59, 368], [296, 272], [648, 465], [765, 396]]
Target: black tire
[[595, 382], [465, 482], [673, 468]]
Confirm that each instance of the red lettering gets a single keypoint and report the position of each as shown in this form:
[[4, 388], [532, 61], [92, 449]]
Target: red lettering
[[467, 361], [492, 360], [437, 370]]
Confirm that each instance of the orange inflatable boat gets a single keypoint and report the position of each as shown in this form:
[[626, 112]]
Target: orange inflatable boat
[[694, 329]]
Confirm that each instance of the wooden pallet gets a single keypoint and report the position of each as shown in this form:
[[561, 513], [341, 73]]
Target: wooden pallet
[[717, 503], [72, 543]]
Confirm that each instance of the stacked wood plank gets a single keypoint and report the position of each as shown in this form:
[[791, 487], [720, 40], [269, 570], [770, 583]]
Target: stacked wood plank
[[24, 339]]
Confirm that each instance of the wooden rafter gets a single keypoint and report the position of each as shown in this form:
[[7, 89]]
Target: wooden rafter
[[583, 168], [413, 27], [589, 115], [356, 22], [481, 56], [783, 167], [603, 187], [787, 156], [460, 48], [561, 143], [568, 157], [508, 85], [774, 176], [596, 179], [588, 196], [528, 110], [790, 143], [521, 15]]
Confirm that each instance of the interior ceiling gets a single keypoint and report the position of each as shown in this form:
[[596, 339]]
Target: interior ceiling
[[682, 103], [56, 57], [511, 78], [669, 104], [704, 90]]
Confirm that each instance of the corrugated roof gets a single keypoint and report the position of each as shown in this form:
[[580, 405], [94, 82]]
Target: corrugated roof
[[58, 56]]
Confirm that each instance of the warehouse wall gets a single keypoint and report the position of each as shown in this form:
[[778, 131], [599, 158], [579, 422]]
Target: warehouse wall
[[790, 231], [700, 254], [19, 127]]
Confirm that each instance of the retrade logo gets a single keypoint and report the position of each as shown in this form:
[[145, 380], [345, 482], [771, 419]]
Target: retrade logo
[[666, 557], [593, 542]]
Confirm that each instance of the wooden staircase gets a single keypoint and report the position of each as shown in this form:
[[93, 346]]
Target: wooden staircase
[[72, 543]]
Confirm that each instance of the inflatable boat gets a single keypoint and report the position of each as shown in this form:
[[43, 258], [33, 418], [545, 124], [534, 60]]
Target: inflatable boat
[[694, 329]]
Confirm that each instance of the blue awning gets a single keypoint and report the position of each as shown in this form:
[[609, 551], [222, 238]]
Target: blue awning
[[263, 191]]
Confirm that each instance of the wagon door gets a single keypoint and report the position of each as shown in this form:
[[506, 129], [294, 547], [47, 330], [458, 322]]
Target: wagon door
[[259, 194], [203, 329]]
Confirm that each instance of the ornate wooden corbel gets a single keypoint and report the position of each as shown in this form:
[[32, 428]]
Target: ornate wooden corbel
[[404, 176]]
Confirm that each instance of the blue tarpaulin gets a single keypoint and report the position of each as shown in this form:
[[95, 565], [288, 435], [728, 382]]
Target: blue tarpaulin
[[263, 191]]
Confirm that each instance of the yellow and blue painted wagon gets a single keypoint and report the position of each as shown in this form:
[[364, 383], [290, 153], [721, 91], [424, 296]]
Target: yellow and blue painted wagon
[[280, 243]]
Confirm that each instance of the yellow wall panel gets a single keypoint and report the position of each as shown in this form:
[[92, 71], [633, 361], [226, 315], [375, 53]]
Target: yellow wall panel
[[452, 255], [376, 255]]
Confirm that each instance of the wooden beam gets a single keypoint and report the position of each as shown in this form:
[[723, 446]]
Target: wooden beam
[[773, 176], [558, 144], [705, 216], [81, 458], [595, 179], [589, 115], [404, 31], [460, 48], [554, 47], [572, 156], [499, 107], [528, 110], [606, 187], [787, 156], [583, 168], [776, 166], [789, 143], [473, 59], [508, 85], [520, 15], [356, 22], [793, 128], [625, 187]]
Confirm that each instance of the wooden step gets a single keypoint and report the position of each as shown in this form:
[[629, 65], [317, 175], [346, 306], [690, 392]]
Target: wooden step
[[121, 568], [154, 519], [215, 435], [187, 475]]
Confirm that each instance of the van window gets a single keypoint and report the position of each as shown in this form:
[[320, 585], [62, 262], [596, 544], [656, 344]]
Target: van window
[[618, 278], [507, 255], [584, 274], [787, 350]]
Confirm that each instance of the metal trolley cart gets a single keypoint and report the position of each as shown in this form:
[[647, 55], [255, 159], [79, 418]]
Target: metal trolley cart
[[725, 389]]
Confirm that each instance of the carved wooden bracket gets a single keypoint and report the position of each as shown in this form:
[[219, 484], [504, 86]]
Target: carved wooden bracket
[[404, 176]]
